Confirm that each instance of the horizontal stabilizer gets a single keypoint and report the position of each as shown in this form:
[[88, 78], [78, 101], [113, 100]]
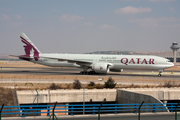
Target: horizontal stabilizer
[[22, 57]]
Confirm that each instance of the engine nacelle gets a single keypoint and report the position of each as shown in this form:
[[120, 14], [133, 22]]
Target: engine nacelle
[[101, 67]]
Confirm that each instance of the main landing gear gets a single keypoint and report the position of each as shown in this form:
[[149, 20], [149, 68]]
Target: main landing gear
[[87, 72]]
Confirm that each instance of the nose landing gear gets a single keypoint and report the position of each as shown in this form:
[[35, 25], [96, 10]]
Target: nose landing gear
[[160, 71]]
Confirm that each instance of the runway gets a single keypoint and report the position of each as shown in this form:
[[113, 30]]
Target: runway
[[76, 71], [67, 75]]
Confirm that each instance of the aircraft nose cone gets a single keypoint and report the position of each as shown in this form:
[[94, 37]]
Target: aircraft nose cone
[[171, 64]]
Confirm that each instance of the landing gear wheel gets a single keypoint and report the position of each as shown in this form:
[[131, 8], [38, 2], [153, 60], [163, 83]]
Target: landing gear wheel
[[92, 72], [159, 75], [82, 72], [87, 73]]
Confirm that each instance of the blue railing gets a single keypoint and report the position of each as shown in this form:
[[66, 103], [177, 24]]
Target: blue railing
[[89, 108]]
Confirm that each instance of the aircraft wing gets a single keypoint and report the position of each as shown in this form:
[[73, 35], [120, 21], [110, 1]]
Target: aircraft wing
[[79, 62]]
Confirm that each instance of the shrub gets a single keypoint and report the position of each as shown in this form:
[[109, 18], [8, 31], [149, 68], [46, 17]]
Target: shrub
[[168, 84], [69, 86], [31, 84], [90, 87], [76, 84], [133, 86], [53, 86], [110, 83], [99, 86], [91, 84]]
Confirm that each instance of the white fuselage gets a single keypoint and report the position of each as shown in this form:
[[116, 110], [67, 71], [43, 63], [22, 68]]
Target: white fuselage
[[146, 62]]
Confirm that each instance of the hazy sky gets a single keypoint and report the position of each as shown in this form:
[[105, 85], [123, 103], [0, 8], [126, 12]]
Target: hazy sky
[[79, 26]]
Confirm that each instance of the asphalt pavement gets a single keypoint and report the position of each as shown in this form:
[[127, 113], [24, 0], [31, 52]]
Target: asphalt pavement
[[144, 116], [132, 75]]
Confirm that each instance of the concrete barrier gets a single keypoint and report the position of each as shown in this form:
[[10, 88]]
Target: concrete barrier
[[63, 96], [122, 96], [128, 97], [132, 97], [158, 93]]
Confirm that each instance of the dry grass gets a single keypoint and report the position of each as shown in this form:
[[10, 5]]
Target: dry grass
[[52, 78], [54, 86], [168, 84], [6, 98]]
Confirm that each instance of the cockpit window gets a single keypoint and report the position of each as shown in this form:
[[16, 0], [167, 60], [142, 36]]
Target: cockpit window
[[168, 61]]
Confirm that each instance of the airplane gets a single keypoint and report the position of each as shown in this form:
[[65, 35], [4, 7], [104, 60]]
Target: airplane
[[92, 63]]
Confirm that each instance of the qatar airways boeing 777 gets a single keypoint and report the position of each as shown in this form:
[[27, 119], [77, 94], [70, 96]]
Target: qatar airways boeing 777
[[91, 63]]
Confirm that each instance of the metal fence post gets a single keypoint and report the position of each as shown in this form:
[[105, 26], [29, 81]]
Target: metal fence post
[[176, 110], [100, 108], [53, 115], [140, 110], [1, 110]]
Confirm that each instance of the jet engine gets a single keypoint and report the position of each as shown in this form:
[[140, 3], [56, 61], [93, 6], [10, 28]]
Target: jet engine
[[101, 67]]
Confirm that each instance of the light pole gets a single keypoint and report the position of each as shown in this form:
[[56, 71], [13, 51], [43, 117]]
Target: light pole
[[84, 96], [39, 81], [14, 81]]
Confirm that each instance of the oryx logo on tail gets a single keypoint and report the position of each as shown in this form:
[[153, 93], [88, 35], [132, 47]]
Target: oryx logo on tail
[[29, 48]]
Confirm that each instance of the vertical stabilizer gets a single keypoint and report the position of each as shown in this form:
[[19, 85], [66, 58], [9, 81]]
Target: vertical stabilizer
[[29, 48]]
